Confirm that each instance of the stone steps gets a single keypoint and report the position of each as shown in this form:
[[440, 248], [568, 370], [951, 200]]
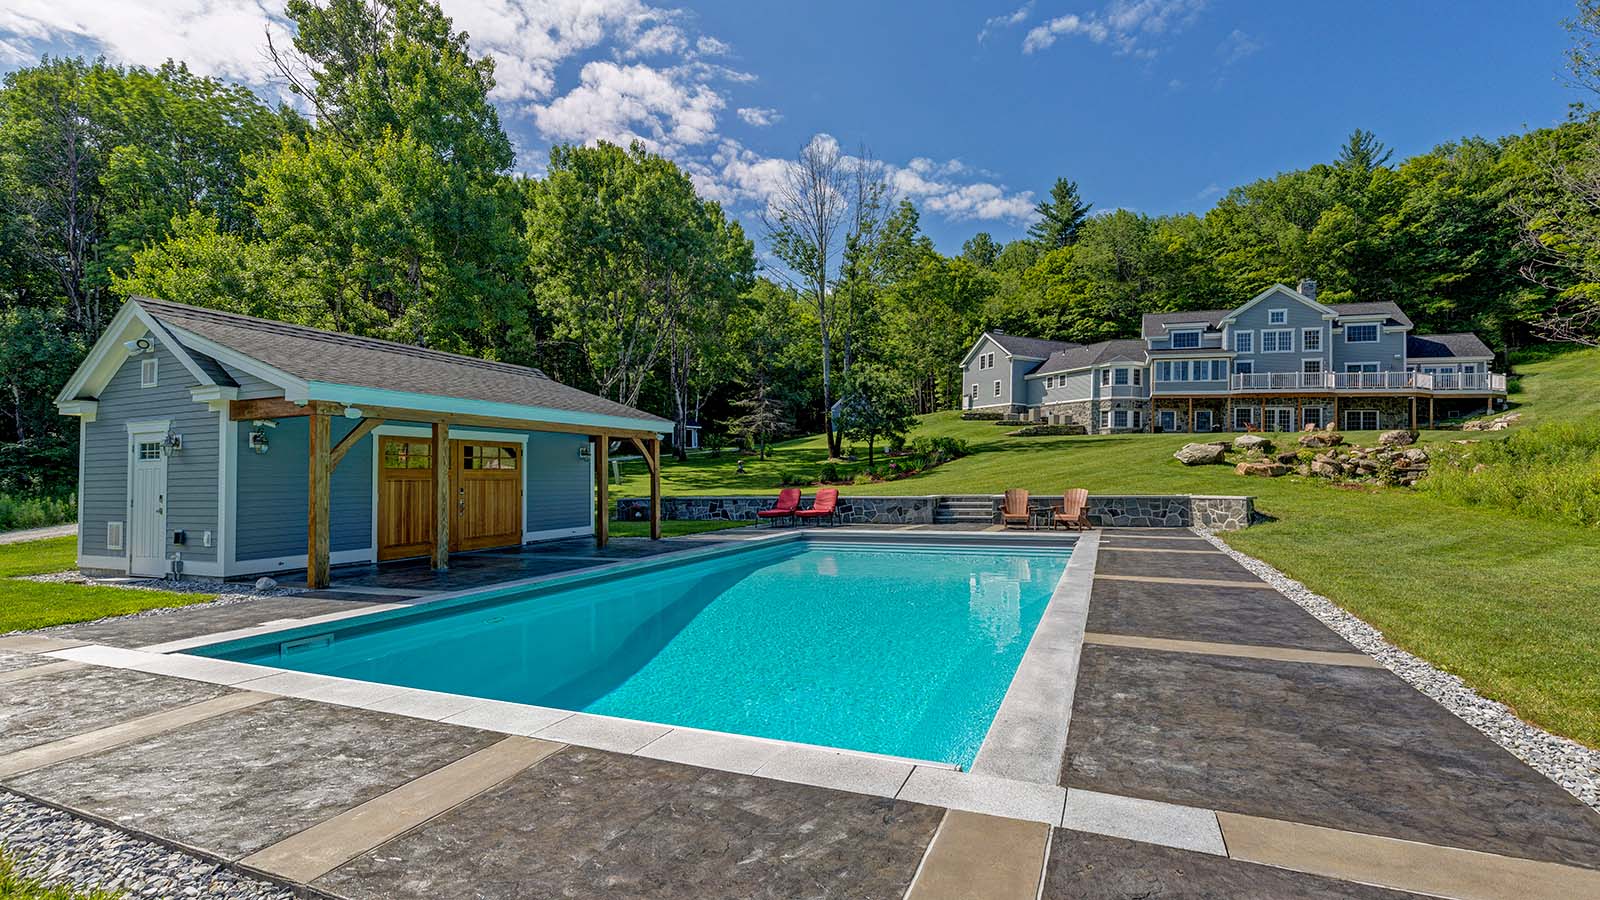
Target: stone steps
[[964, 511]]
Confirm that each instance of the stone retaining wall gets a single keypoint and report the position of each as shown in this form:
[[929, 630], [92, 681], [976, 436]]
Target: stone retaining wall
[[1134, 511]]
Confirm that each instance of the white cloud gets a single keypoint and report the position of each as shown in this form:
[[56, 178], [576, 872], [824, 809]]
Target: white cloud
[[759, 116], [642, 73], [1236, 46], [1123, 24], [1009, 20], [1209, 191]]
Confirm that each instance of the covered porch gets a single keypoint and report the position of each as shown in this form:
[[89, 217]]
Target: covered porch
[[324, 456]]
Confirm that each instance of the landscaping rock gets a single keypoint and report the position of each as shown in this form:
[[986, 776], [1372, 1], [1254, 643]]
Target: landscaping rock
[[1326, 468], [1200, 454], [1247, 442], [1321, 439], [265, 584], [1397, 438], [1262, 469], [1415, 455], [1288, 457]]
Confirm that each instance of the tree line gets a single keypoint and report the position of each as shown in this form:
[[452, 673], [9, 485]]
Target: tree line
[[390, 208]]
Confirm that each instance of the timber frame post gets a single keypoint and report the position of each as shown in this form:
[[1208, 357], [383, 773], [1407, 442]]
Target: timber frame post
[[655, 489], [440, 453], [602, 490], [319, 471]]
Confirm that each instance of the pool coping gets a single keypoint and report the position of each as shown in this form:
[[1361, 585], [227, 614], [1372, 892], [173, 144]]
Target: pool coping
[[996, 790]]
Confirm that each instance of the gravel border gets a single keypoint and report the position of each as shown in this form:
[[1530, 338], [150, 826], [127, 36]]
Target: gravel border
[[59, 848], [1565, 761], [231, 593]]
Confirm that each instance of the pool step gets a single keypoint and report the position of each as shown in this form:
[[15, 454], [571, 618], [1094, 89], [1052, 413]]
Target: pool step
[[979, 510]]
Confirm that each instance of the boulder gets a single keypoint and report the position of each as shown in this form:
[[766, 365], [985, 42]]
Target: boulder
[[1247, 442], [1321, 439], [1288, 457], [1398, 438], [265, 584], [1415, 455], [1262, 469], [1326, 468], [1199, 454]]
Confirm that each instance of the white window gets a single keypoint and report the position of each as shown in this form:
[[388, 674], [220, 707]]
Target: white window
[[1202, 420], [149, 450], [1311, 366], [1361, 334], [1469, 368], [1311, 340], [974, 390], [1244, 342], [1243, 417], [1180, 370], [1163, 370], [1138, 375], [147, 372], [113, 535], [1138, 420], [1361, 420], [1105, 419], [1049, 382], [1361, 367], [1185, 340], [1119, 418], [1277, 316], [1244, 367], [1219, 370], [1121, 376], [997, 388], [1105, 376], [1279, 340]]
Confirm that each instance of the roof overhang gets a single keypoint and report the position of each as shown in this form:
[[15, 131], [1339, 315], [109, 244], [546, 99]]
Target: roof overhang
[[1327, 312], [109, 353], [356, 396]]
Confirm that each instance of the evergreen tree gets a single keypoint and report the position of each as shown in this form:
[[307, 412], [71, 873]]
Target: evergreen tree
[[1060, 217]]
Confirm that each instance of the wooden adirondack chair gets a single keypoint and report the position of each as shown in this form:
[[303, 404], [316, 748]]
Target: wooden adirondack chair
[[1014, 511], [1074, 510]]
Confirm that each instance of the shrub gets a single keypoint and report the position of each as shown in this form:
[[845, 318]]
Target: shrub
[[792, 479], [938, 450], [896, 443], [1550, 471], [829, 473], [36, 512]]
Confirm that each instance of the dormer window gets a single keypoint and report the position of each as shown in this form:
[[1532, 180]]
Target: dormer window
[[1277, 316], [1185, 340]]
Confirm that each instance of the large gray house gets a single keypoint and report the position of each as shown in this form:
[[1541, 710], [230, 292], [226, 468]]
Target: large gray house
[[1280, 362], [223, 445]]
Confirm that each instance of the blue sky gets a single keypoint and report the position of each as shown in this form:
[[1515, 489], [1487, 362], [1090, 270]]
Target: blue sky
[[1152, 105]]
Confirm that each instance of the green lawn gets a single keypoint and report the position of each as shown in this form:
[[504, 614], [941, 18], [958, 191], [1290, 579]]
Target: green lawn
[[31, 604], [1510, 604]]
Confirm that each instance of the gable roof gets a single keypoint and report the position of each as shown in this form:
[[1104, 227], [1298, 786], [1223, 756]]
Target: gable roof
[[1154, 325], [1446, 346], [1017, 345], [1082, 357], [330, 359], [1384, 308], [1282, 290]]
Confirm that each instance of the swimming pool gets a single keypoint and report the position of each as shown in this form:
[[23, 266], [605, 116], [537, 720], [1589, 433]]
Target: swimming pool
[[892, 648]]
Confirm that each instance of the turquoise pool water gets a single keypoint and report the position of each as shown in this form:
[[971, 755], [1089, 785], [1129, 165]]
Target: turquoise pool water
[[904, 650]]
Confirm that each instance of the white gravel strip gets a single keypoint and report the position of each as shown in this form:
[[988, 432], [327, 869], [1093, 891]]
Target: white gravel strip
[[59, 848], [232, 593], [1563, 760]]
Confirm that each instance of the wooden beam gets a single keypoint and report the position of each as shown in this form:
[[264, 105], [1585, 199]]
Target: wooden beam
[[655, 489], [1191, 415], [1413, 412], [602, 490], [362, 429], [1430, 412], [442, 507], [278, 408], [319, 470]]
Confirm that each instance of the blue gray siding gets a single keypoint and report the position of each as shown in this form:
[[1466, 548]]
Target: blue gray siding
[[559, 492], [251, 387], [1389, 352], [271, 493], [1064, 388], [191, 472], [1300, 317], [1007, 371]]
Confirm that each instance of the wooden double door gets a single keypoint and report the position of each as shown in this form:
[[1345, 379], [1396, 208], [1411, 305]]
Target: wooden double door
[[485, 495]]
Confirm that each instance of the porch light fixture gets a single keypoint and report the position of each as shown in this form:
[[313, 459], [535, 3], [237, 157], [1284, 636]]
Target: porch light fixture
[[171, 444], [139, 346], [350, 412], [258, 438], [585, 453]]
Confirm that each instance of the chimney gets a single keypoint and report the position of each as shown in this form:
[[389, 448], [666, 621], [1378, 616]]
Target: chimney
[[1308, 287]]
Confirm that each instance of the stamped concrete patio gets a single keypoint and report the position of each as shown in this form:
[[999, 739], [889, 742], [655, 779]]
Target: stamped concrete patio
[[1221, 742]]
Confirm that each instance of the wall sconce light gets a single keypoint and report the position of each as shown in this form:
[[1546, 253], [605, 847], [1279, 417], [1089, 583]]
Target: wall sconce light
[[172, 443], [585, 452], [258, 438]]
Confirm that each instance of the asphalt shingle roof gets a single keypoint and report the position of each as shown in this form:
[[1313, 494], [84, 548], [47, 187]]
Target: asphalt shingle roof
[[1445, 346], [1396, 316], [313, 354], [1151, 326], [1093, 355], [1026, 346]]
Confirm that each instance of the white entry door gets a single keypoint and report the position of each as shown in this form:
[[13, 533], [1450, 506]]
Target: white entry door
[[147, 505], [1278, 418]]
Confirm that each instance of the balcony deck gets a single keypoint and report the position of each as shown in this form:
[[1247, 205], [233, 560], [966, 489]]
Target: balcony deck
[[1366, 383]]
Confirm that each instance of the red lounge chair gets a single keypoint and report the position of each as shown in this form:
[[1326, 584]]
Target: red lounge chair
[[788, 502], [823, 507]]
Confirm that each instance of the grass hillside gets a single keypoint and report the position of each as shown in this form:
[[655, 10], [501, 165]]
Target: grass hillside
[[1509, 602]]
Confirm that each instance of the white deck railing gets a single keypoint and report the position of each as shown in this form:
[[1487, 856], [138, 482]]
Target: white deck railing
[[1368, 381]]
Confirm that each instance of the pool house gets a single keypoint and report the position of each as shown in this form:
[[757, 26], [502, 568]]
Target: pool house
[[221, 445]]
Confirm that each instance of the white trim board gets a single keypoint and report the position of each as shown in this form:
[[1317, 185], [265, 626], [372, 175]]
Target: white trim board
[[293, 563]]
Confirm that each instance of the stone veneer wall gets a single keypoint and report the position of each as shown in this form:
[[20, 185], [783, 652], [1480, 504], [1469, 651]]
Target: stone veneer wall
[[1135, 511]]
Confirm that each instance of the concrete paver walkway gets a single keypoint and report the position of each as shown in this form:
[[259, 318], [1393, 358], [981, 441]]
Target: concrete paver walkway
[[1221, 743]]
